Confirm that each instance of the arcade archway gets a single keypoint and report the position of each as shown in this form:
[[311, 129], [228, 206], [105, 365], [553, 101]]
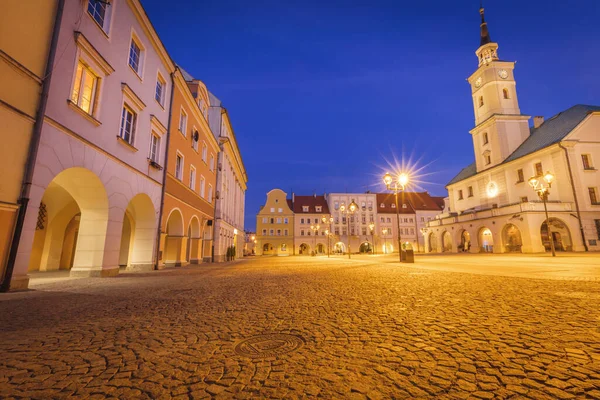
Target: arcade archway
[[511, 237], [446, 241], [486, 240], [304, 249], [560, 235]]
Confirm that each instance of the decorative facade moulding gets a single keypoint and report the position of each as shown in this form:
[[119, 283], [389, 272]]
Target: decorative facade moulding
[[137, 102], [91, 52]]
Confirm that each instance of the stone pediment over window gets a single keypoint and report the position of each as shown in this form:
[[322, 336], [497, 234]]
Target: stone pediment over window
[[92, 53]]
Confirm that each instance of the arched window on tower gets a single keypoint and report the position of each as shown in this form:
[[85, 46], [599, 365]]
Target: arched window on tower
[[505, 93], [480, 101]]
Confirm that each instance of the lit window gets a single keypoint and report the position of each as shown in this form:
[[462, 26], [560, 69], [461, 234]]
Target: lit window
[[84, 88], [154, 147], [202, 187], [192, 178], [183, 122], [135, 56], [179, 167], [128, 122], [159, 94]]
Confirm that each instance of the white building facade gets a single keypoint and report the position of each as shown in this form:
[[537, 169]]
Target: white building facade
[[491, 206], [230, 195]]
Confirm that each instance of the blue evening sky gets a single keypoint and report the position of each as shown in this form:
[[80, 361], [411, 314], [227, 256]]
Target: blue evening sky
[[324, 94]]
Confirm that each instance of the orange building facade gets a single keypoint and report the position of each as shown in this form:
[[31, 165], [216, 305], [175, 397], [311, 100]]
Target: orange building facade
[[190, 179]]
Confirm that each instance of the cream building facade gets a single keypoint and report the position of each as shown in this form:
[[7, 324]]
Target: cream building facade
[[275, 226], [491, 207], [92, 171], [232, 180], [351, 231]]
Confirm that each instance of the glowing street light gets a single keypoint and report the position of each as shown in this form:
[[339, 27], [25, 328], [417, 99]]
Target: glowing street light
[[542, 188], [350, 210], [371, 228], [328, 232], [397, 184]]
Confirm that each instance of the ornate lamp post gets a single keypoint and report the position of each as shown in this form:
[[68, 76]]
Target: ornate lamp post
[[543, 191], [328, 232], [396, 184], [315, 229], [352, 207], [372, 227]]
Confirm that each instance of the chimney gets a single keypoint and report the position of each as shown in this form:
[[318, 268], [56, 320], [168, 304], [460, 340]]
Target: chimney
[[293, 197], [538, 121]]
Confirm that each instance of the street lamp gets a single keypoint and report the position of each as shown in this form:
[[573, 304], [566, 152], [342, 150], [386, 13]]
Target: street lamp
[[328, 232], [396, 184], [543, 191], [372, 227], [315, 229], [352, 207]]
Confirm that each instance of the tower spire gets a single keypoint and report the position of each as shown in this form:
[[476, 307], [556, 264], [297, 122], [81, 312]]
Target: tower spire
[[485, 34]]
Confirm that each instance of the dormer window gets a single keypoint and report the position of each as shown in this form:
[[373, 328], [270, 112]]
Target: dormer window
[[393, 205], [318, 209], [485, 138], [404, 206], [304, 208], [382, 205]]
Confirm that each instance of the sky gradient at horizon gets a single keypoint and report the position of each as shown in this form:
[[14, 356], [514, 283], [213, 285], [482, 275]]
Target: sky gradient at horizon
[[323, 96]]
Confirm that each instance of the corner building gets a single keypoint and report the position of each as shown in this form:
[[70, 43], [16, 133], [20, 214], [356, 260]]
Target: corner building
[[492, 208], [95, 196]]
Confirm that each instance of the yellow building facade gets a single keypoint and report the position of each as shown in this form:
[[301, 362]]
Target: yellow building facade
[[26, 29], [275, 225]]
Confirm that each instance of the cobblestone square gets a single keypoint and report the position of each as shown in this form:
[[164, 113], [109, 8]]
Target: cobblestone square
[[462, 326]]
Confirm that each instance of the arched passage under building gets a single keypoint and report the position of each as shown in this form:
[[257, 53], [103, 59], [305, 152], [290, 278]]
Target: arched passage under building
[[194, 242], [561, 236], [72, 224], [304, 249], [339, 248], [365, 248], [486, 240], [174, 240], [433, 245], [446, 241], [465, 241], [267, 249], [511, 238], [138, 234]]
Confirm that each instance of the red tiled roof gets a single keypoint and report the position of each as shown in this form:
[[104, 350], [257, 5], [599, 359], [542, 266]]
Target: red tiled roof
[[420, 201], [388, 201], [439, 201], [311, 202], [289, 203]]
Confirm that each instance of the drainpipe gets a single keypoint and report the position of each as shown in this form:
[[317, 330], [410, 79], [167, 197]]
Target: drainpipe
[[574, 196], [164, 182], [33, 150]]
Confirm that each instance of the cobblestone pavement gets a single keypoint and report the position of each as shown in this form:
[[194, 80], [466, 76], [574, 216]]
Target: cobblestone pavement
[[371, 329]]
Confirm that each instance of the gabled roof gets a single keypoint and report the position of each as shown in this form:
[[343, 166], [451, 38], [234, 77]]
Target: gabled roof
[[312, 202], [550, 132], [422, 201], [439, 200]]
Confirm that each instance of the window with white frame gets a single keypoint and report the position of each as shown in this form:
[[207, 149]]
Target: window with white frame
[[179, 167], [183, 122], [304, 208], [84, 88], [100, 12], [211, 165], [128, 124], [202, 190], [159, 93], [192, 177], [210, 193], [204, 151], [136, 56], [318, 208], [154, 148]]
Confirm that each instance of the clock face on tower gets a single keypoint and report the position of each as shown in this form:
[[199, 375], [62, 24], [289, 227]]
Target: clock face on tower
[[503, 74], [478, 82]]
